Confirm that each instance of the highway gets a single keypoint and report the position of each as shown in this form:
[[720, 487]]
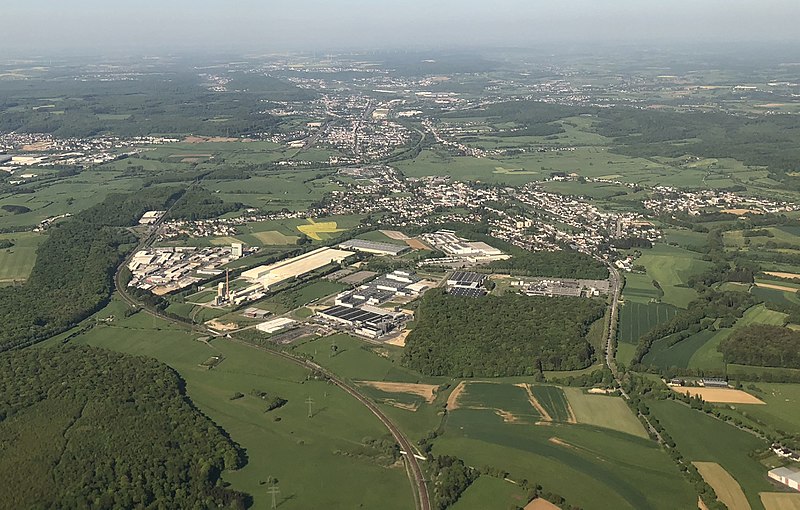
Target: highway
[[415, 473]]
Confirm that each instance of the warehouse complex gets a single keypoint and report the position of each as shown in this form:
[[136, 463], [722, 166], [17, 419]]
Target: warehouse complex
[[382, 289], [460, 252], [366, 321], [466, 284], [279, 272]]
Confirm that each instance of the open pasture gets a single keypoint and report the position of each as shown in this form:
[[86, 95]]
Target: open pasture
[[671, 267], [491, 492], [273, 237], [782, 409], [725, 486], [17, 262]]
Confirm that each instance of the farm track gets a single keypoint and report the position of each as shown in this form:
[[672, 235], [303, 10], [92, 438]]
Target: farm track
[[413, 469]]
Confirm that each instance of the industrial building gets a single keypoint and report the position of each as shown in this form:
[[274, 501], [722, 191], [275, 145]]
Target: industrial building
[[373, 247], [275, 325], [460, 252], [382, 289], [466, 279], [366, 321], [467, 292], [151, 217], [279, 272], [787, 476], [714, 383]]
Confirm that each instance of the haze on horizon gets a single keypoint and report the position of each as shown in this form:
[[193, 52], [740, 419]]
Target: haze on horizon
[[42, 27]]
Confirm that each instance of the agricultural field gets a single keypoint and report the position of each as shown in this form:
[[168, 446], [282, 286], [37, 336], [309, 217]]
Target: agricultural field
[[319, 461], [554, 403], [702, 438], [636, 319], [490, 492], [17, 262], [725, 486], [511, 402], [603, 411], [780, 500], [700, 350], [782, 409], [671, 267], [594, 468]]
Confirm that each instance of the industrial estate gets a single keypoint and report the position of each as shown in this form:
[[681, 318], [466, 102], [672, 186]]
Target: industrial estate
[[401, 280]]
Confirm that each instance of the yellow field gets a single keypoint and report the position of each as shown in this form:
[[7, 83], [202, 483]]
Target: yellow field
[[782, 275], [776, 287], [727, 488], [780, 500], [719, 395], [314, 229], [273, 237]]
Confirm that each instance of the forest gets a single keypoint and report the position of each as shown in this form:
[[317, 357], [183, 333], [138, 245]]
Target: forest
[[497, 336], [83, 427], [762, 345], [74, 269], [557, 264]]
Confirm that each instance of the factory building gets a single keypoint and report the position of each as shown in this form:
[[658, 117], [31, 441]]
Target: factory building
[[366, 321], [382, 289], [275, 325], [373, 247], [466, 279], [279, 272], [787, 476]]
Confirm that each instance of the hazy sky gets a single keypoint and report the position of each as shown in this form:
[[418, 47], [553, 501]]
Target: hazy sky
[[97, 26]]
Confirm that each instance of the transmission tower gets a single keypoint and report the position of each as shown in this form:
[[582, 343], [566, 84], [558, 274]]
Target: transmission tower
[[310, 402], [275, 492]]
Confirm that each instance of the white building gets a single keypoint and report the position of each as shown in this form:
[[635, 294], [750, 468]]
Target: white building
[[275, 325]]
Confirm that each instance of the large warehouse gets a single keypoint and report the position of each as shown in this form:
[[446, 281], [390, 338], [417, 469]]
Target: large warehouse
[[279, 272], [376, 248], [786, 476], [367, 321]]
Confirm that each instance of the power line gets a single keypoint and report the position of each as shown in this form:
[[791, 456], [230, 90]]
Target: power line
[[274, 491], [310, 402]]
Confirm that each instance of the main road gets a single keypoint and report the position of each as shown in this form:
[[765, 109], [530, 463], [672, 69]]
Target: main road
[[415, 473]]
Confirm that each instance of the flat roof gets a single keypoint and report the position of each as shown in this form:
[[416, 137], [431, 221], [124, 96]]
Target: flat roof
[[295, 266], [467, 277], [362, 244], [466, 292], [354, 314], [788, 473]]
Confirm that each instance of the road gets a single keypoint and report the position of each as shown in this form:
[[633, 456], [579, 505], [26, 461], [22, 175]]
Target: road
[[611, 332], [415, 474]]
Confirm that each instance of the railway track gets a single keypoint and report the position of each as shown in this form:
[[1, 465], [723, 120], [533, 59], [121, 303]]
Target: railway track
[[415, 474]]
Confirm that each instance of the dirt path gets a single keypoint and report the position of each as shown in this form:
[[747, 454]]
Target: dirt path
[[535, 403], [452, 400]]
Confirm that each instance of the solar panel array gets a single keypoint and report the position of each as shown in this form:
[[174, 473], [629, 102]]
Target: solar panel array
[[466, 278], [354, 314], [466, 292]]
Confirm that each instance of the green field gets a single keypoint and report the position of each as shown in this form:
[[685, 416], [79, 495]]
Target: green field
[[490, 492], [702, 438], [603, 411], [296, 297], [508, 401], [16, 262], [554, 402], [636, 319], [782, 412], [671, 267], [591, 467], [318, 461]]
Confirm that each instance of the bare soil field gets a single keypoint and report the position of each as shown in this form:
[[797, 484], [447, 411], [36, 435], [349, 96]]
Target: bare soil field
[[727, 488], [719, 395], [399, 340], [541, 504], [780, 500], [452, 400], [776, 287], [417, 244], [426, 391], [204, 139], [394, 234], [740, 212], [782, 275]]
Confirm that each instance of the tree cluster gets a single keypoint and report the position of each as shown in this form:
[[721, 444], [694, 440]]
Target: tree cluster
[[495, 336], [89, 428], [762, 345]]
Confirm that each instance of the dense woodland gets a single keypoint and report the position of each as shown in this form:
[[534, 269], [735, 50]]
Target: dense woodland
[[495, 336], [83, 427], [557, 264], [198, 203], [75, 264], [763, 345]]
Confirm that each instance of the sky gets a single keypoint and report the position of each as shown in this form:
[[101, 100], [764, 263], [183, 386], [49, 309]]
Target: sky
[[40, 27]]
